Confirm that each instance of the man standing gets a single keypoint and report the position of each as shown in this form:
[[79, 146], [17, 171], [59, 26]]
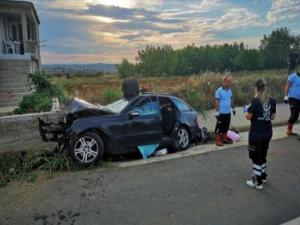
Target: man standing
[[292, 96], [223, 111], [292, 61]]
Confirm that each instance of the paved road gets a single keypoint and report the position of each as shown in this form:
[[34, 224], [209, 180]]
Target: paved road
[[203, 189]]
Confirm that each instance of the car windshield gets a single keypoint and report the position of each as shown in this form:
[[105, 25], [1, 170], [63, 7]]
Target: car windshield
[[117, 106]]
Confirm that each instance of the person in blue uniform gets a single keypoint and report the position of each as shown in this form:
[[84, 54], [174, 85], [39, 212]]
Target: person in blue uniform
[[224, 104], [292, 96]]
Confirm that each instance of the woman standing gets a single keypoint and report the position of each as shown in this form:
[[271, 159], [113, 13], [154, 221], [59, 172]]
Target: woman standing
[[261, 112], [292, 96]]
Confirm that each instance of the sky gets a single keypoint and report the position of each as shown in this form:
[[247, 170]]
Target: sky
[[106, 31]]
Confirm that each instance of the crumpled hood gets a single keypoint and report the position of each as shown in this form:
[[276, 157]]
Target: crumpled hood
[[76, 105]]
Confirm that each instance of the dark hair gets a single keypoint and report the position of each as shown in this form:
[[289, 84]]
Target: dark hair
[[260, 84]]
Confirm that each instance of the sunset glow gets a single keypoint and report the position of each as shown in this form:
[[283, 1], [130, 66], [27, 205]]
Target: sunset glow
[[118, 3], [110, 30]]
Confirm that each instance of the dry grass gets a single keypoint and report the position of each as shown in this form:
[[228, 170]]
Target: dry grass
[[198, 90]]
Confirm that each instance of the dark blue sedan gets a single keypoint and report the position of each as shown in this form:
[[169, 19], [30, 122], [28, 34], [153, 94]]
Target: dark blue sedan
[[91, 130]]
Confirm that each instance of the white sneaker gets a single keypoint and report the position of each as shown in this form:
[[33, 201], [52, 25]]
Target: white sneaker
[[264, 181], [253, 184]]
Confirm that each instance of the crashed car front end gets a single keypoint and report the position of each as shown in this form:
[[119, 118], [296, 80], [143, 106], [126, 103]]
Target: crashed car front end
[[74, 109]]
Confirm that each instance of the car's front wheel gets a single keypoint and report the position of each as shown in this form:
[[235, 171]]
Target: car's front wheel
[[86, 149], [182, 138]]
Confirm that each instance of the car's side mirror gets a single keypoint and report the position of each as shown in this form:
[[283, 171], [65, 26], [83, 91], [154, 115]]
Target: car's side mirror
[[134, 114]]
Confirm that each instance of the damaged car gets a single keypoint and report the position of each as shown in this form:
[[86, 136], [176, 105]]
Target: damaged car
[[140, 118]]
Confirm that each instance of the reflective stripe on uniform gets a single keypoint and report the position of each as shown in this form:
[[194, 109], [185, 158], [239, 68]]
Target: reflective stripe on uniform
[[255, 172], [257, 167]]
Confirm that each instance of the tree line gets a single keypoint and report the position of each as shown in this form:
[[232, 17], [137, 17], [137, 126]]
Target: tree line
[[166, 61]]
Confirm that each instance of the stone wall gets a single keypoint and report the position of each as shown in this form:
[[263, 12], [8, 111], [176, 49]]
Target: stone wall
[[20, 132]]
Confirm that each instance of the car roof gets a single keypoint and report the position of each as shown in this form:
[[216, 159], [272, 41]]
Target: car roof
[[150, 94], [157, 94]]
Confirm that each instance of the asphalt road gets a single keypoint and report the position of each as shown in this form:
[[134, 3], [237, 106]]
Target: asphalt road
[[203, 189]]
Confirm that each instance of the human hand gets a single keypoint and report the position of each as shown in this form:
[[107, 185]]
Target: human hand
[[233, 112]]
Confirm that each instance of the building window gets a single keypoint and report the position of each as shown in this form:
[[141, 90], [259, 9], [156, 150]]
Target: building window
[[14, 32]]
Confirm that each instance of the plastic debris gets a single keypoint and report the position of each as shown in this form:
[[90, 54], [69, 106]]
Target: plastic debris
[[161, 152], [147, 150], [233, 136]]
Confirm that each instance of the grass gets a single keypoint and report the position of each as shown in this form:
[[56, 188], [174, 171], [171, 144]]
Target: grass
[[24, 166], [197, 90]]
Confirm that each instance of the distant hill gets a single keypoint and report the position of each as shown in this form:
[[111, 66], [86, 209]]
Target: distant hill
[[80, 68]]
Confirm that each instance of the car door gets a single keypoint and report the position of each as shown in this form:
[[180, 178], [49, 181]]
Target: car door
[[143, 123]]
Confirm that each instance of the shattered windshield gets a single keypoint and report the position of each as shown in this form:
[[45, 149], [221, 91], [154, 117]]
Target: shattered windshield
[[117, 106]]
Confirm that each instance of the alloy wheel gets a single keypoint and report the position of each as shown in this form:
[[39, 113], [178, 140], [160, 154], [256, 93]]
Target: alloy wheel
[[86, 149], [183, 138]]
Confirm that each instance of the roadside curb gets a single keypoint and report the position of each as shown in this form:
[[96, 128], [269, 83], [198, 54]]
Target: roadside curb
[[293, 222], [278, 133]]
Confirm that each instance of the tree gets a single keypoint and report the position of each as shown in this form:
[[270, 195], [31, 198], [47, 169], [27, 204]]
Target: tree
[[126, 69], [165, 61], [276, 47]]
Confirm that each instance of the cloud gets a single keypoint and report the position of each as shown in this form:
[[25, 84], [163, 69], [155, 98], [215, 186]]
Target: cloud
[[283, 9], [87, 58], [109, 30]]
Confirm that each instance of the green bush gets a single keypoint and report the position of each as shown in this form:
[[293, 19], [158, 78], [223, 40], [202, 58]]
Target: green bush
[[110, 95], [194, 98], [42, 93]]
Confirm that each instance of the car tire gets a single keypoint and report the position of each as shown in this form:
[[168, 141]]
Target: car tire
[[87, 149], [182, 139]]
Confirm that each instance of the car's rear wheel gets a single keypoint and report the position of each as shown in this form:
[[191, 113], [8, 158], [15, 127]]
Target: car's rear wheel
[[87, 149], [182, 138]]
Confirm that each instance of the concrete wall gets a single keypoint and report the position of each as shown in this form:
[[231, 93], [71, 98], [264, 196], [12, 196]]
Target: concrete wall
[[18, 133]]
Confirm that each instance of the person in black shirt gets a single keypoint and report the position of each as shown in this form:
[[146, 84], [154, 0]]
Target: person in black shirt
[[261, 112], [292, 61]]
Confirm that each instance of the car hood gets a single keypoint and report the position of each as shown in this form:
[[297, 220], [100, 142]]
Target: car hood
[[76, 106]]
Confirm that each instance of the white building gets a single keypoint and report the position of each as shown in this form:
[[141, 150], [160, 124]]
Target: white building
[[19, 49]]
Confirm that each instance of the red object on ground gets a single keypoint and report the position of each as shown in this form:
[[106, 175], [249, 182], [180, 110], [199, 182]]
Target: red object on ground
[[219, 140]]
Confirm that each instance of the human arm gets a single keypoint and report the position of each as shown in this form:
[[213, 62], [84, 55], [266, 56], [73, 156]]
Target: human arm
[[248, 115], [217, 103], [233, 108], [249, 110], [287, 87], [273, 110], [273, 116], [286, 92], [217, 106]]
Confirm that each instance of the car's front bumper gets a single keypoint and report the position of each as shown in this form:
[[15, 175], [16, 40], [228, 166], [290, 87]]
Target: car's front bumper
[[52, 132]]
